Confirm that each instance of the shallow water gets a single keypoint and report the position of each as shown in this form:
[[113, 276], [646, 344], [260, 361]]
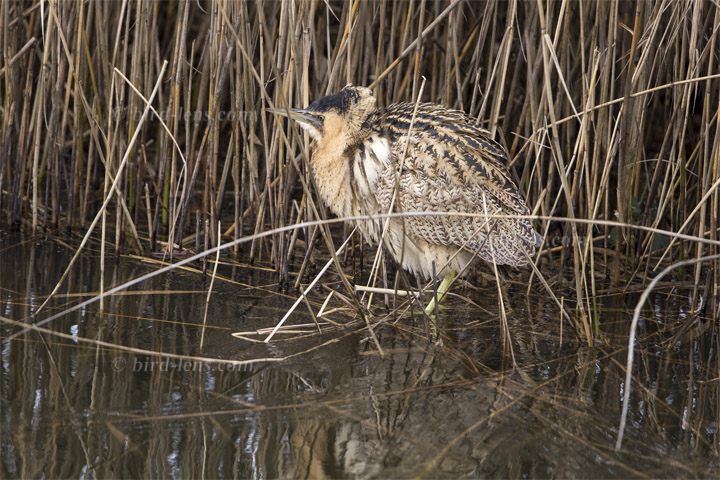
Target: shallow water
[[334, 407]]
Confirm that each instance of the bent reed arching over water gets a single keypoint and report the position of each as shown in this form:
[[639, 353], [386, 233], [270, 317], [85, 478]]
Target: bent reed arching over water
[[609, 112], [417, 158]]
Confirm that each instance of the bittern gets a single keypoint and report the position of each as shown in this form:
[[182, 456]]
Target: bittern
[[368, 161]]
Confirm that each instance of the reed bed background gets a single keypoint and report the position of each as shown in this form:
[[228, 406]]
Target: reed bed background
[[609, 111]]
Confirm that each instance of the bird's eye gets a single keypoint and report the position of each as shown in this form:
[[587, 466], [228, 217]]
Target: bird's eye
[[321, 117]]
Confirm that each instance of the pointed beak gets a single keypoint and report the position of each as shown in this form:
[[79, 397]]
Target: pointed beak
[[302, 116]]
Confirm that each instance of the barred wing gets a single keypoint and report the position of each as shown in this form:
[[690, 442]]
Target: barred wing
[[454, 167]]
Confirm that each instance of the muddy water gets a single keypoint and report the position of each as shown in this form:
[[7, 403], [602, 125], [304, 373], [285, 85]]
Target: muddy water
[[335, 407]]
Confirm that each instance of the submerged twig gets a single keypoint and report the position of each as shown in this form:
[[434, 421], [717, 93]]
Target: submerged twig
[[207, 298]]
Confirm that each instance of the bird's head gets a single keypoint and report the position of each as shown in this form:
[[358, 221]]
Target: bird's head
[[336, 115]]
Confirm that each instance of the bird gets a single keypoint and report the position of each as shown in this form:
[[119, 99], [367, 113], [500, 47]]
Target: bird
[[417, 157]]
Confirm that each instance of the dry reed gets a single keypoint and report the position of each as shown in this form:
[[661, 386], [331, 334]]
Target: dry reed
[[609, 111]]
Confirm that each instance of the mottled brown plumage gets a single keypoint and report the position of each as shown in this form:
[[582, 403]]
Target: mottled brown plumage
[[451, 165]]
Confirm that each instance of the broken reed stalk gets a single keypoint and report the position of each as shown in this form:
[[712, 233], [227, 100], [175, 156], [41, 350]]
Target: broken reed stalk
[[614, 120], [209, 292], [109, 195]]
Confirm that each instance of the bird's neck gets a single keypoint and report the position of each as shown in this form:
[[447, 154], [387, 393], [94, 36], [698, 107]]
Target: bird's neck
[[331, 169]]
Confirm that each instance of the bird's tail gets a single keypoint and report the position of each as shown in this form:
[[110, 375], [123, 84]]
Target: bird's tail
[[508, 242]]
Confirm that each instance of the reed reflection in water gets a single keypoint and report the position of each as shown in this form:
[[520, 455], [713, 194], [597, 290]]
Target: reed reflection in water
[[72, 408]]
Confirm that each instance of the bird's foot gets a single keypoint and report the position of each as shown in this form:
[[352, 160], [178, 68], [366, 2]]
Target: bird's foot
[[430, 308]]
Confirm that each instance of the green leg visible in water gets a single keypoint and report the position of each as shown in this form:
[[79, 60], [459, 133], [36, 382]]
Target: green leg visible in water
[[442, 291]]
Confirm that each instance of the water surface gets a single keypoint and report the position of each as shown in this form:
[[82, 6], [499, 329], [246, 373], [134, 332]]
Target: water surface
[[336, 407]]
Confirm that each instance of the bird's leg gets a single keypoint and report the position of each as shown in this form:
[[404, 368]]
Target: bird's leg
[[443, 290]]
